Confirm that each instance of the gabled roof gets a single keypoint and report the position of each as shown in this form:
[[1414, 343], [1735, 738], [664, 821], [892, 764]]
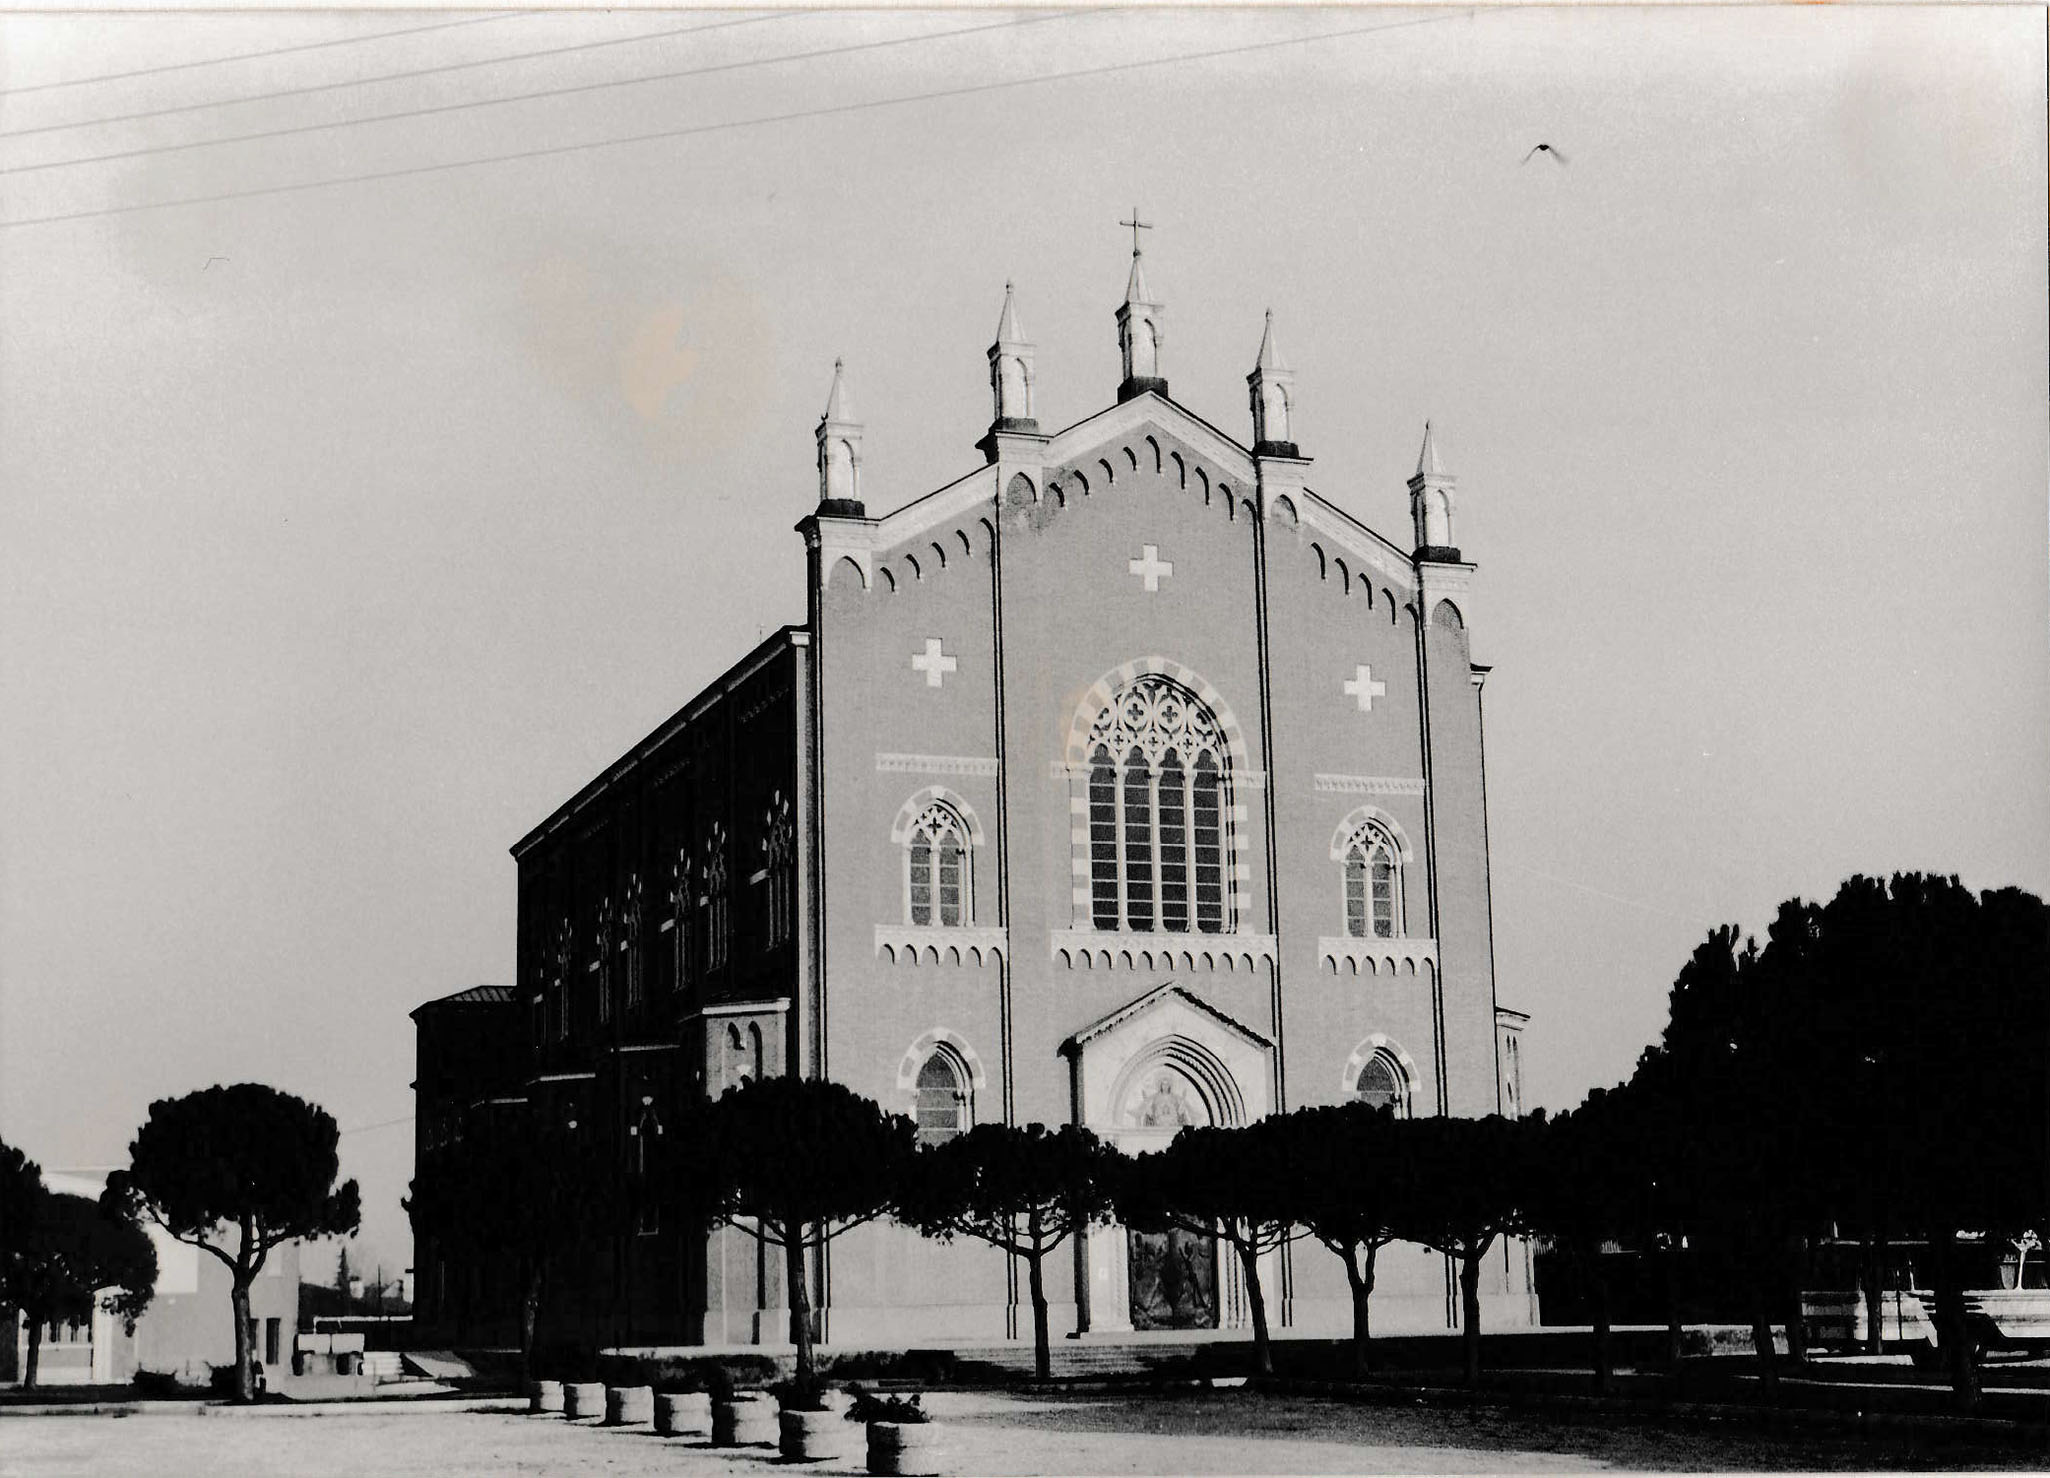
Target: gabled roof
[[1151, 1000]]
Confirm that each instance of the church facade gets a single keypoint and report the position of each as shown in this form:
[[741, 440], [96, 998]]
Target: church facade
[[1124, 781]]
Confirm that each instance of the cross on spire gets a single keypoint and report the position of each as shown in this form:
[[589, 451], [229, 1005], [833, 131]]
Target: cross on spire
[[1137, 226]]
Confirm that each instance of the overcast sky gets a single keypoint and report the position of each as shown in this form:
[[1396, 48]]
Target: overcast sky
[[345, 531]]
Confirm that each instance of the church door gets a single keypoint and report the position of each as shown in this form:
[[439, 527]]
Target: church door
[[1173, 1274], [1173, 1278]]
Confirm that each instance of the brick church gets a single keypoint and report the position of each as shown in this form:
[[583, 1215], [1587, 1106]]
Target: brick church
[[1124, 780]]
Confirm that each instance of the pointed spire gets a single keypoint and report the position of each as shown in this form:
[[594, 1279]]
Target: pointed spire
[[1136, 291], [1272, 386], [1432, 494], [1270, 352], [1008, 331], [1139, 323], [840, 400], [1427, 459], [839, 439], [1010, 377]]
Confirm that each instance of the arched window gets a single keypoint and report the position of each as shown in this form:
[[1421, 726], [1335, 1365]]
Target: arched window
[[946, 1106], [779, 870], [1383, 1083], [1373, 884], [1158, 782], [936, 881], [713, 901]]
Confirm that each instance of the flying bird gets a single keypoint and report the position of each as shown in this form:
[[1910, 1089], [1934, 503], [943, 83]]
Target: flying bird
[[210, 261], [1544, 149]]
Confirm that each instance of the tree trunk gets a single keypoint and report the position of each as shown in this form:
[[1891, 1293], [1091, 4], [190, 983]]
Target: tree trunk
[[238, 1299], [35, 1353], [1360, 1278], [800, 1301], [1954, 1339], [1761, 1339], [1042, 1341], [1674, 1326], [530, 1320], [1470, 1310], [1875, 1296], [1263, 1352], [1604, 1352], [1793, 1274]]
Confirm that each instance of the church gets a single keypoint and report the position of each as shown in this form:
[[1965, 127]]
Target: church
[[1123, 781]]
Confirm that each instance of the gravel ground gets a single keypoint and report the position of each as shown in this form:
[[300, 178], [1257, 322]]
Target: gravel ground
[[1233, 1432]]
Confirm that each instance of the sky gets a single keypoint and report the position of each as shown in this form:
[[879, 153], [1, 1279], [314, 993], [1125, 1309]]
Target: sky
[[355, 510]]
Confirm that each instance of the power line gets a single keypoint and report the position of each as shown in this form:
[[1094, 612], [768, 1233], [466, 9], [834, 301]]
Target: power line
[[247, 56], [383, 1124], [308, 91], [527, 97], [842, 109]]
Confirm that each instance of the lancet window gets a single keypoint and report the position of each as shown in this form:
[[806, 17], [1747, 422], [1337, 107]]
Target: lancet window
[[946, 1106], [1373, 884], [936, 882]]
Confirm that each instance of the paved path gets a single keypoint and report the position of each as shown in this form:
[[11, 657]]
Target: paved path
[[1235, 1432]]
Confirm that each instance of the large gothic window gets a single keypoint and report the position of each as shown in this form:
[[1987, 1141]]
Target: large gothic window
[[1373, 884], [936, 882], [945, 1107], [1158, 799]]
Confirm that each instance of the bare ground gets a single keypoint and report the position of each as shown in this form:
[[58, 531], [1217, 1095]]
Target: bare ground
[[1222, 1432]]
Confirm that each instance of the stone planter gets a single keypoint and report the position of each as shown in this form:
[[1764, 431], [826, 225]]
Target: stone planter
[[582, 1400], [748, 1420], [809, 1436], [904, 1447], [544, 1395], [676, 1415], [629, 1406]]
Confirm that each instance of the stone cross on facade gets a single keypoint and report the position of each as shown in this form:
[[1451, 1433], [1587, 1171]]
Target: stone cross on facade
[[934, 664], [1363, 687], [1151, 568]]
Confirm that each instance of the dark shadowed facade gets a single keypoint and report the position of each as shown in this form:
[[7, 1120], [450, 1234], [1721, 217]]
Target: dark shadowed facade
[[1126, 780]]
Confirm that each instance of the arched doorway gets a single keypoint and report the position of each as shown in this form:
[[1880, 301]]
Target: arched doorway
[[1171, 1276], [1163, 1060]]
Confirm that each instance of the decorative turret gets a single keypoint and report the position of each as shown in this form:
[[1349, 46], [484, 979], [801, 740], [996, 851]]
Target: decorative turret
[[1139, 326], [1272, 384], [1431, 496], [839, 437], [1010, 373]]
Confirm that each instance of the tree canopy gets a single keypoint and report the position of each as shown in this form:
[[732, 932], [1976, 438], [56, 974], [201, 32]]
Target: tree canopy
[[798, 1161], [235, 1171], [1024, 1190]]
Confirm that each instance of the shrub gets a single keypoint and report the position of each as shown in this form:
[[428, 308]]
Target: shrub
[[673, 1375], [566, 1361], [870, 1406], [801, 1395], [160, 1382]]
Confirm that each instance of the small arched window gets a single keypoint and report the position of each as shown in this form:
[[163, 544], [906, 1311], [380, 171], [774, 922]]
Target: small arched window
[[946, 1106], [1383, 1084], [1373, 884], [936, 881]]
